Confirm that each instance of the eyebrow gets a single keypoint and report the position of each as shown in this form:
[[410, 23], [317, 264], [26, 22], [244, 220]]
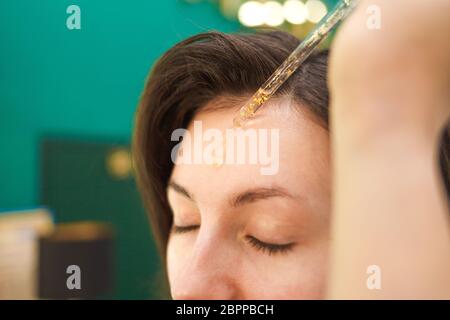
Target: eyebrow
[[245, 197], [181, 190], [258, 193]]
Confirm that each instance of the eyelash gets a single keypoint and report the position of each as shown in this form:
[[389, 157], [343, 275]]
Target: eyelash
[[264, 247], [179, 229], [269, 248]]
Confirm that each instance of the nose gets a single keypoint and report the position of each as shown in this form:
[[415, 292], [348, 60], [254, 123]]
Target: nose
[[203, 287], [207, 275]]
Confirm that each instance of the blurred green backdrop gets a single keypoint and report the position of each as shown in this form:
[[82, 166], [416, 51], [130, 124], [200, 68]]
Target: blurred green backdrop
[[88, 81]]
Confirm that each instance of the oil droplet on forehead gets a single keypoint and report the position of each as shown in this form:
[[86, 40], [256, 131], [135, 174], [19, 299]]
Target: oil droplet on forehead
[[218, 155], [217, 164]]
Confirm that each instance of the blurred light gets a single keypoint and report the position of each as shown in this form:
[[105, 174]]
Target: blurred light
[[230, 8], [254, 13], [316, 10], [273, 13], [295, 11], [119, 163], [251, 14]]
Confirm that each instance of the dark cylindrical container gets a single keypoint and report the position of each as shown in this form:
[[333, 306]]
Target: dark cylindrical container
[[76, 262]]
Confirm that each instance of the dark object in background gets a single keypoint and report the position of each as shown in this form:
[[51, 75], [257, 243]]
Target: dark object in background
[[86, 245], [78, 185]]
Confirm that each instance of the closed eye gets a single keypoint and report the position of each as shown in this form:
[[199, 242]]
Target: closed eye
[[264, 247], [184, 229], [269, 248]]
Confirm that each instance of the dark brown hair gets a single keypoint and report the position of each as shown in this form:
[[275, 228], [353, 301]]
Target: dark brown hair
[[202, 68]]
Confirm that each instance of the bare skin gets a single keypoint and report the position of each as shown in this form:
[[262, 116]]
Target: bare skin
[[215, 259], [390, 103]]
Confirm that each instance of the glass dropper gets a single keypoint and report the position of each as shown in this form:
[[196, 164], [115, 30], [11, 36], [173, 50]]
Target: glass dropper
[[295, 59]]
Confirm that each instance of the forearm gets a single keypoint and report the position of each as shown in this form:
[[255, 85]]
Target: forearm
[[389, 206], [390, 102]]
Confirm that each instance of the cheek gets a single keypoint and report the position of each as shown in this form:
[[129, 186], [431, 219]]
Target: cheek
[[300, 275], [176, 253]]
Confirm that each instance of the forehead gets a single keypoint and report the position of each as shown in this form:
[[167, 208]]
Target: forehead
[[302, 154]]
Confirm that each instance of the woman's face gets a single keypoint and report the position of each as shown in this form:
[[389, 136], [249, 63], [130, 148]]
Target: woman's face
[[240, 234]]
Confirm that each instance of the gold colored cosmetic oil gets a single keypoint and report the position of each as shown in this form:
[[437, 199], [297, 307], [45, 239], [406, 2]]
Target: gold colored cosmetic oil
[[295, 59]]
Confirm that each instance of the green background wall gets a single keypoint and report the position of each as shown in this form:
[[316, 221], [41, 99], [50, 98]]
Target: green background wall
[[88, 81], [85, 85]]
